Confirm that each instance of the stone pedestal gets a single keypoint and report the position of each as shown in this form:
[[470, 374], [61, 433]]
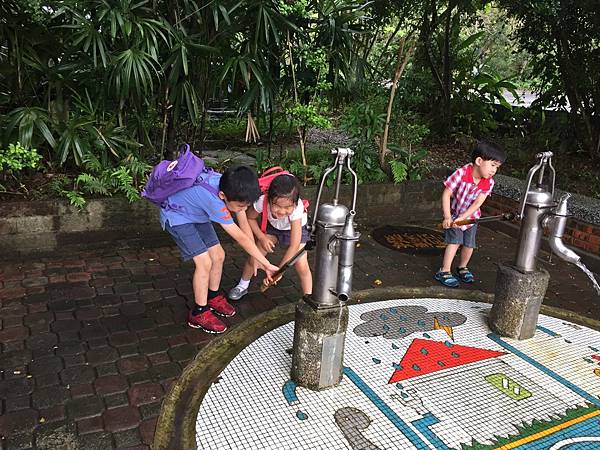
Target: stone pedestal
[[319, 335], [517, 302]]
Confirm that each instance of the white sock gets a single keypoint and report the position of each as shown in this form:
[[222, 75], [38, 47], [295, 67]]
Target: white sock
[[244, 283]]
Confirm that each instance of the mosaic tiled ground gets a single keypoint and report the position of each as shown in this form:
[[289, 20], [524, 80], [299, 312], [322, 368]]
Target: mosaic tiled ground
[[419, 373]]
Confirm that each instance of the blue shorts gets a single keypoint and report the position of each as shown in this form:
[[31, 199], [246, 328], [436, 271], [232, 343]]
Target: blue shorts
[[458, 236], [193, 239], [284, 236]]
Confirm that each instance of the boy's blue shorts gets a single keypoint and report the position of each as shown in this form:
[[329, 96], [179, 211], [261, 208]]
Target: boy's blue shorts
[[465, 238], [193, 239]]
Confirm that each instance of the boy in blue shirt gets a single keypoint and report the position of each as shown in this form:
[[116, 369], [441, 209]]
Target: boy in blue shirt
[[187, 218]]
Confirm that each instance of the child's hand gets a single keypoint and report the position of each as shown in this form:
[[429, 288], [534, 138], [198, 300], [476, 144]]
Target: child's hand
[[270, 270], [272, 281], [458, 219], [267, 244], [448, 222]]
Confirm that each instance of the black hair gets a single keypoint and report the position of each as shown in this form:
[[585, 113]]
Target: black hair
[[240, 184], [488, 151], [286, 186]]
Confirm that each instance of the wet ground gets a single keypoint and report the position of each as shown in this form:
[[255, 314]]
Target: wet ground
[[92, 339]]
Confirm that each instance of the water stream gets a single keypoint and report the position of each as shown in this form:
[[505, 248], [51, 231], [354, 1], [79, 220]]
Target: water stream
[[590, 275]]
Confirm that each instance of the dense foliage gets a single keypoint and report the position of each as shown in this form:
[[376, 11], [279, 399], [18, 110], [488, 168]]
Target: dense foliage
[[105, 88]]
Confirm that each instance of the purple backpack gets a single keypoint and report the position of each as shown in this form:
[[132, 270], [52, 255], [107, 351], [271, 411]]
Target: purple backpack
[[169, 177]]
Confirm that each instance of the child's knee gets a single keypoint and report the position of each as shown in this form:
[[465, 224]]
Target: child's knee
[[203, 263], [302, 266], [217, 255]]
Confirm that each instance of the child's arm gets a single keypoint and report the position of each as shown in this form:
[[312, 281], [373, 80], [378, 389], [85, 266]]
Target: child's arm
[[474, 207], [265, 242], [295, 238], [242, 221], [249, 246], [446, 196]]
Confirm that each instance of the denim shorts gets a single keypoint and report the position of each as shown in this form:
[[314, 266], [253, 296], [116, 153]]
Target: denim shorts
[[458, 236], [284, 236], [193, 239]]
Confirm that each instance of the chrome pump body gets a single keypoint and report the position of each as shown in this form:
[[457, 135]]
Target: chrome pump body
[[539, 210], [333, 230]]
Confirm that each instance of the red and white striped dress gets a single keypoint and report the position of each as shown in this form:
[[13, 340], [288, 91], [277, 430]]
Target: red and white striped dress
[[465, 191]]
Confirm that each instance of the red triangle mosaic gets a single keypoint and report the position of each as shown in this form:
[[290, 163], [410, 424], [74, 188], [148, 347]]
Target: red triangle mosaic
[[426, 356]]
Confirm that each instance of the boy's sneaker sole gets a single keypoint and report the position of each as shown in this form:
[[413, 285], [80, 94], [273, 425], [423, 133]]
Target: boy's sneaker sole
[[206, 330], [207, 322], [221, 307]]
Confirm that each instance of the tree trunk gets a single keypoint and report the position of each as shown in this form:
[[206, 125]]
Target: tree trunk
[[581, 112], [302, 138], [403, 58], [446, 68]]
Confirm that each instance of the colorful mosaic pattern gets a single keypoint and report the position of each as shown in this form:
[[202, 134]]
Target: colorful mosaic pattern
[[444, 382]]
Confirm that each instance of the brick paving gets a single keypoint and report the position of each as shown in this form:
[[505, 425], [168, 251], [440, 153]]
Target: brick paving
[[92, 339]]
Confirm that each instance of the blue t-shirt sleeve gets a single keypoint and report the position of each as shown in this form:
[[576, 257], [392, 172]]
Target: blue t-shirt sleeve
[[213, 206]]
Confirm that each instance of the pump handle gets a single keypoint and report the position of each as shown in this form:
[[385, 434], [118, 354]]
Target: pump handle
[[544, 158]]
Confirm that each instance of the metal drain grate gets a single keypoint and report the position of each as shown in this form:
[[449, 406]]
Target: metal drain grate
[[410, 239]]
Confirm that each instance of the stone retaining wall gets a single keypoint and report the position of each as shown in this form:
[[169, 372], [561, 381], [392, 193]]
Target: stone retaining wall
[[27, 227]]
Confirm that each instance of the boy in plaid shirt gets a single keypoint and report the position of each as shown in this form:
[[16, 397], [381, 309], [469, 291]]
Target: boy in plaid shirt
[[466, 190]]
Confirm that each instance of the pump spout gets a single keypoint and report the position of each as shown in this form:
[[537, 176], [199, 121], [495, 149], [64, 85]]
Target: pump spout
[[347, 243], [557, 224]]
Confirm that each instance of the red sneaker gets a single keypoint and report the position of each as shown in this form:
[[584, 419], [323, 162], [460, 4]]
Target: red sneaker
[[221, 306], [207, 321]]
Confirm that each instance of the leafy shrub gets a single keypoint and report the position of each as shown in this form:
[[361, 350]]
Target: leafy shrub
[[16, 158], [408, 164], [317, 161], [97, 180], [364, 123]]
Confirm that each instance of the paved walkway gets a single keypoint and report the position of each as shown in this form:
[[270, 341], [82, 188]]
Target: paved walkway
[[91, 340]]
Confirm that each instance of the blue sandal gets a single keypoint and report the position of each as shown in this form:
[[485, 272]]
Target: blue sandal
[[465, 275], [446, 278]]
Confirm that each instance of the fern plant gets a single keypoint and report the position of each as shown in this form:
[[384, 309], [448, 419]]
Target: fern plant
[[399, 171], [97, 180], [407, 164]]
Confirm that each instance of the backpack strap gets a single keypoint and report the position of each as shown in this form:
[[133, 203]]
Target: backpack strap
[[183, 148], [272, 170], [202, 180], [265, 213]]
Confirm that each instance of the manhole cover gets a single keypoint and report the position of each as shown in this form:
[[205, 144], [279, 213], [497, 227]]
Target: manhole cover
[[410, 239]]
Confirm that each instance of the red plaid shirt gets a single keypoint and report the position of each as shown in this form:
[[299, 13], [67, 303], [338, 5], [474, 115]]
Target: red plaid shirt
[[465, 192]]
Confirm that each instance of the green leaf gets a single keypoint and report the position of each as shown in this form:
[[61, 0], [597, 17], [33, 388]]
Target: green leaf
[[470, 40]]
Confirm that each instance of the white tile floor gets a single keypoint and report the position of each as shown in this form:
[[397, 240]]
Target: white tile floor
[[442, 407]]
